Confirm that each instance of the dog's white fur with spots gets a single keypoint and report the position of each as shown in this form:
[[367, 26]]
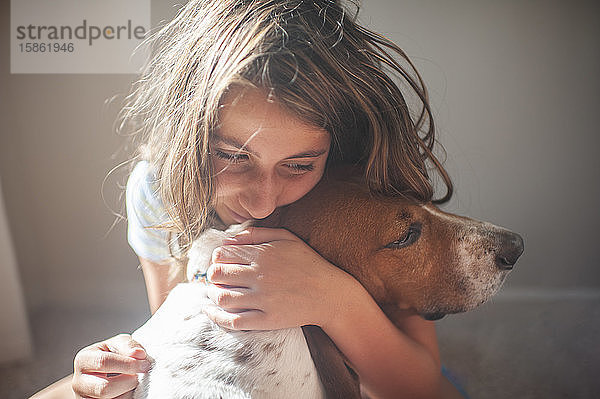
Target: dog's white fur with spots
[[194, 358]]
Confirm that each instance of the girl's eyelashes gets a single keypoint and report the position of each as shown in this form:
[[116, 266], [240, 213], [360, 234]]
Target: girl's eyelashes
[[299, 168], [237, 158], [231, 157]]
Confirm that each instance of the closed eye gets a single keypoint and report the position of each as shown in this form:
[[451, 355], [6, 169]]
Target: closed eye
[[300, 168], [412, 235], [231, 157]]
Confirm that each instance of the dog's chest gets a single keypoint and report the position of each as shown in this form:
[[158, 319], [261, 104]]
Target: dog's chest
[[194, 358]]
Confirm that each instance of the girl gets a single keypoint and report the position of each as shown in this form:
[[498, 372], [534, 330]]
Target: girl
[[241, 109]]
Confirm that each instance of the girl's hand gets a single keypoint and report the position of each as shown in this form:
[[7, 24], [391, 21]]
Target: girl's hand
[[108, 369], [266, 279]]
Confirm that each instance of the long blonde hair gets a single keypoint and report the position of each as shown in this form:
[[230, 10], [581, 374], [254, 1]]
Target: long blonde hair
[[318, 62]]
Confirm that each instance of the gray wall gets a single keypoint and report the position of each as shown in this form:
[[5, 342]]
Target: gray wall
[[515, 89], [515, 85]]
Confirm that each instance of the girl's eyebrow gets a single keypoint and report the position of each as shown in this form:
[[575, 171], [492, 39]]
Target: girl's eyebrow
[[232, 142], [308, 154], [241, 146]]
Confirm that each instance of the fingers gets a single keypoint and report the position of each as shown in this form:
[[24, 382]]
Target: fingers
[[119, 354], [247, 246], [259, 235], [99, 361], [100, 386], [125, 345], [231, 299], [240, 254], [245, 320], [108, 369], [126, 395], [240, 276]]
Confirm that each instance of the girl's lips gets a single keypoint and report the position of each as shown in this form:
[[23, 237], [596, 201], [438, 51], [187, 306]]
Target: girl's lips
[[237, 217]]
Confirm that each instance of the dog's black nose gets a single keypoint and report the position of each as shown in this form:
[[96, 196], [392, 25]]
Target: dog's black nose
[[510, 248]]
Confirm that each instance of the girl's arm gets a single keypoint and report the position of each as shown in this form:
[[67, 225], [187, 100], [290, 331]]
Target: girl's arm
[[389, 361], [160, 280]]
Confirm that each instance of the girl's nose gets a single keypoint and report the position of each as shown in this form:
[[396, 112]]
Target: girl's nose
[[260, 197]]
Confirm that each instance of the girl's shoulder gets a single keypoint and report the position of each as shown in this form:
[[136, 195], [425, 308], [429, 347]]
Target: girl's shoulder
[[145, 213], [142, 180], [143, 194]]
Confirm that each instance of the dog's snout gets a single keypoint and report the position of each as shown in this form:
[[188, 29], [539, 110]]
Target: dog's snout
[[510, 249]]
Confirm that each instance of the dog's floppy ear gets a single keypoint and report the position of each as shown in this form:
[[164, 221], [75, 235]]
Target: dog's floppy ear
[[339, 380]]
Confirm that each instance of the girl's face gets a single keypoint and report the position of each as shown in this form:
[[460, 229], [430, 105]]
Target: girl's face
[[263, 156]]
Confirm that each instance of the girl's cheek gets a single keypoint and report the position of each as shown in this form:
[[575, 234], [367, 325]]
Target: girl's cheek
[[234, 180], [228, 183]]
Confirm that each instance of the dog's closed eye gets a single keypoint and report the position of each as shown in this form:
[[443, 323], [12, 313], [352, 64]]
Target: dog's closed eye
[[412, 235]]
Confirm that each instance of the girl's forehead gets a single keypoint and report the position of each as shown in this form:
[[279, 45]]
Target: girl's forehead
[[251, 119], [258, 104]]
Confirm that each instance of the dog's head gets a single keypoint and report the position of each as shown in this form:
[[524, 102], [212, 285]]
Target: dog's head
[[407, 255]]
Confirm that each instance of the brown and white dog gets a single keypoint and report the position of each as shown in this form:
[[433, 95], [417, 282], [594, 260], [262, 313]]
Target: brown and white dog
[[407, 255]]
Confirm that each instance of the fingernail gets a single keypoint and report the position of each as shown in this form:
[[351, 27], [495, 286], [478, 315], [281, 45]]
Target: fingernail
[[145, 365], [138, 353]]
